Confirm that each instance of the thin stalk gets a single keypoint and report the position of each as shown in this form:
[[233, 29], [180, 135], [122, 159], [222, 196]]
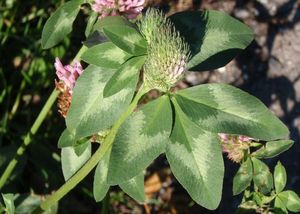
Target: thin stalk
[[27, 140], [93, 161], [80, 52], [17, 101], [35, 127]]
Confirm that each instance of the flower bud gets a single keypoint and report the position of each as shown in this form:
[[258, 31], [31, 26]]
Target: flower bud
[[167, 52]]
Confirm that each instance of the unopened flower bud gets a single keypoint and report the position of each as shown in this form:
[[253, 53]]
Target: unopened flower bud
[[167, 52]]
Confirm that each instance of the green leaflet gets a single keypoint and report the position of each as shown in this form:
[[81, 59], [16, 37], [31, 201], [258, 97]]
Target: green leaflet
[[135, 188], [66, 139], [89, 112], [101, 187], [126, 38], [273, 148], [71, 162], [140, 140], [214, 37], [195, 158], [95, 38], [222, 108], [60, 23], [27, 203], [279, 177], [106, 55], [262, 176], [290, 200], [243, 177], [81, 146], [90, 24], [127, 75], [111, 21], [280, 206], [9, 203]]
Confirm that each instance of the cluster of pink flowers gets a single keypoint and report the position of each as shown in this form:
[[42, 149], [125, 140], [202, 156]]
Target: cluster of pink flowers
[[130, 8], [235, 146], [67, 75]]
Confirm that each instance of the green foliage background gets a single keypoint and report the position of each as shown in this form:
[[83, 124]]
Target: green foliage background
[[26, 80]]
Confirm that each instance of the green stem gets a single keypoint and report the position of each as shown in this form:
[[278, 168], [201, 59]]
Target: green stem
[[80, 52], [35, 127], [27, 140], [93, 161], [17, 101]]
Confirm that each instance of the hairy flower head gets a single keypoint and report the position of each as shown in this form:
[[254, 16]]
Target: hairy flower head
[[167, 52], [235, 146], [130, 8]]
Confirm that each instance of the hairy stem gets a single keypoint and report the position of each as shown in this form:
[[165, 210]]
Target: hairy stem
[[93, 161], [34, 128]]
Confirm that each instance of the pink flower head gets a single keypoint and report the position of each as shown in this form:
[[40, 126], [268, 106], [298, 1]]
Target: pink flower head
[[234, 146], [68, 73], [130, 8], [245, 138]]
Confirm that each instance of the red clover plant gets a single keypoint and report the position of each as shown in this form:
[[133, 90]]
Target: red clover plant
[[192, 126]]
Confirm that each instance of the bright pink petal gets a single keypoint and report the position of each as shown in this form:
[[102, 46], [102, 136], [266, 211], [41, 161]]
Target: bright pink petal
[[68, 74]]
